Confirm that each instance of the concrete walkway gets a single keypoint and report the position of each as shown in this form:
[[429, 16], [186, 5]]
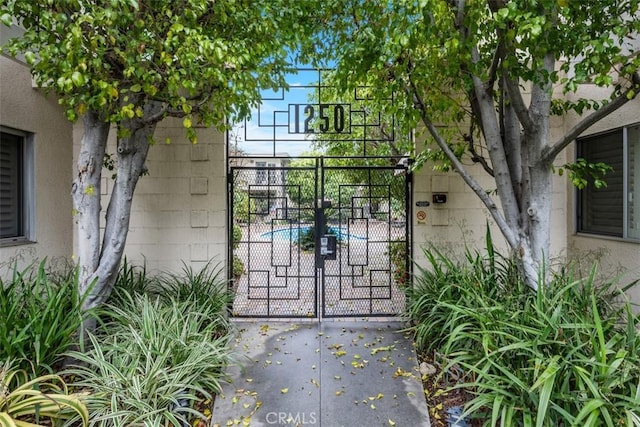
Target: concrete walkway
[[328, 374]]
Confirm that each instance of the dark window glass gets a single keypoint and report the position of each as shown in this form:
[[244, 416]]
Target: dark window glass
[[11, 185], [600, 210]]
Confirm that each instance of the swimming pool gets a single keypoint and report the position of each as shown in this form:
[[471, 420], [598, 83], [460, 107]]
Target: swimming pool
[[293, 233]]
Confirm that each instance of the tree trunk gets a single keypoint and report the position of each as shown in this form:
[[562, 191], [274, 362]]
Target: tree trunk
[[85, 192], [99, 259]]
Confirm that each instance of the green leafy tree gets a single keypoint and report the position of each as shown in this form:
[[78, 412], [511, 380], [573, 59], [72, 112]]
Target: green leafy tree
[[301, 181], [373, 138], [303, 186], [127, 65], [495, 72]]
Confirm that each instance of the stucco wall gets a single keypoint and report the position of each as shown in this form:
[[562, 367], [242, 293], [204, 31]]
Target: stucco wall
[[615, 256], [27, 109], [178, 215]]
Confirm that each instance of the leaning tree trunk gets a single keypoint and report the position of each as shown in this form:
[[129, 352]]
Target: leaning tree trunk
[[99, 259]]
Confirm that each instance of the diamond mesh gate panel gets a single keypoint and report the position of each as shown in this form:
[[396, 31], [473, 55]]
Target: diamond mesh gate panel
[[275, 210], [278, 275], [369, 220]]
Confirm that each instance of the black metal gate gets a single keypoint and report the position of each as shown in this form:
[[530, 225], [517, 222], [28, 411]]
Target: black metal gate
[[319, 239]]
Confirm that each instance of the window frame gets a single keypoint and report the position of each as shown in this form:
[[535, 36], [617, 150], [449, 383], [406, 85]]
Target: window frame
[[578, 204], [27, 189]]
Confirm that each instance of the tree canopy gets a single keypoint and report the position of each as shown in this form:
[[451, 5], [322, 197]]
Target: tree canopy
[[203, 60], [483, 79]]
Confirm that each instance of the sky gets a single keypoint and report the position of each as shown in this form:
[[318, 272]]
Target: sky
[[275, 119]]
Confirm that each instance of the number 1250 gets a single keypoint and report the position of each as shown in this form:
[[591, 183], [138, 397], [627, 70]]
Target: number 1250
[[322, 118]]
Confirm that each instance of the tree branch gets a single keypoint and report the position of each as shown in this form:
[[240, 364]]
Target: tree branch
[[518, 105], [475, 157], [489, 203], [552, 152], [495, 63], [167, 111], [493, 139]]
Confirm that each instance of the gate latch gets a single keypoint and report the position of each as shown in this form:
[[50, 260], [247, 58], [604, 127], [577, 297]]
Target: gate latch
[[328, 246]]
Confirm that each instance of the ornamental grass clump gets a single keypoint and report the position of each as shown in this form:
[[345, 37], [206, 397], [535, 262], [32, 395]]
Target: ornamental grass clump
[[567, 354], [44, 400], [157, 354], [41, 314]]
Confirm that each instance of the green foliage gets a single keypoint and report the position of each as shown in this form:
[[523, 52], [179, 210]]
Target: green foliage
[[426, 54], [398, 255], [302, 184], [238, 267], [116, 57], [237, 236], [134, 279], [41, 313], [307, 237], [581, 172], [206, 287], [568, 354], [157, 352], [43, 400], [242, 205]]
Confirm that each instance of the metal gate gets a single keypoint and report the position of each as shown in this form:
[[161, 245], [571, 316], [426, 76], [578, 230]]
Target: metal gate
[[319, 239]]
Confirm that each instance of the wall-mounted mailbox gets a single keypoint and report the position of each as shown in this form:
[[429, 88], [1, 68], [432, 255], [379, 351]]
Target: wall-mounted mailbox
[[439, 198], [328, 246]]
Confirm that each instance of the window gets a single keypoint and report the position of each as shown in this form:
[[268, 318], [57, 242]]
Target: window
[[261, 176], [16, 199], [273, 175], [615, 209]]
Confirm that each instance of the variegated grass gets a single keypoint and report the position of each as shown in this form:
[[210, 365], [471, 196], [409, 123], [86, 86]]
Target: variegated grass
[[157, 352], [44, 399]]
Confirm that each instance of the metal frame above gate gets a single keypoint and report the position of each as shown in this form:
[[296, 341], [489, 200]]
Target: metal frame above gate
[[312, 106], [357, 213]]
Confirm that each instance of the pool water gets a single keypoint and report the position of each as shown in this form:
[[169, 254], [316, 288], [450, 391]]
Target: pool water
[[291, 234]]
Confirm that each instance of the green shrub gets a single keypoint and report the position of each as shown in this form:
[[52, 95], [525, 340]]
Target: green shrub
[[206, 286], [157, 351], [307, 237], [567, 354], [398, 256], [41, 313], [134, 278], [237, 235], [238, 267], [45, 399], [243, 205]]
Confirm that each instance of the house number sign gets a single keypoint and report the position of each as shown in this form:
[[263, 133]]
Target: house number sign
[[319, 118]]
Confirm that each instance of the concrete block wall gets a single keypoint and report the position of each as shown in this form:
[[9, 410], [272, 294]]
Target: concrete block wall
[[178, 215], [461, 221]]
